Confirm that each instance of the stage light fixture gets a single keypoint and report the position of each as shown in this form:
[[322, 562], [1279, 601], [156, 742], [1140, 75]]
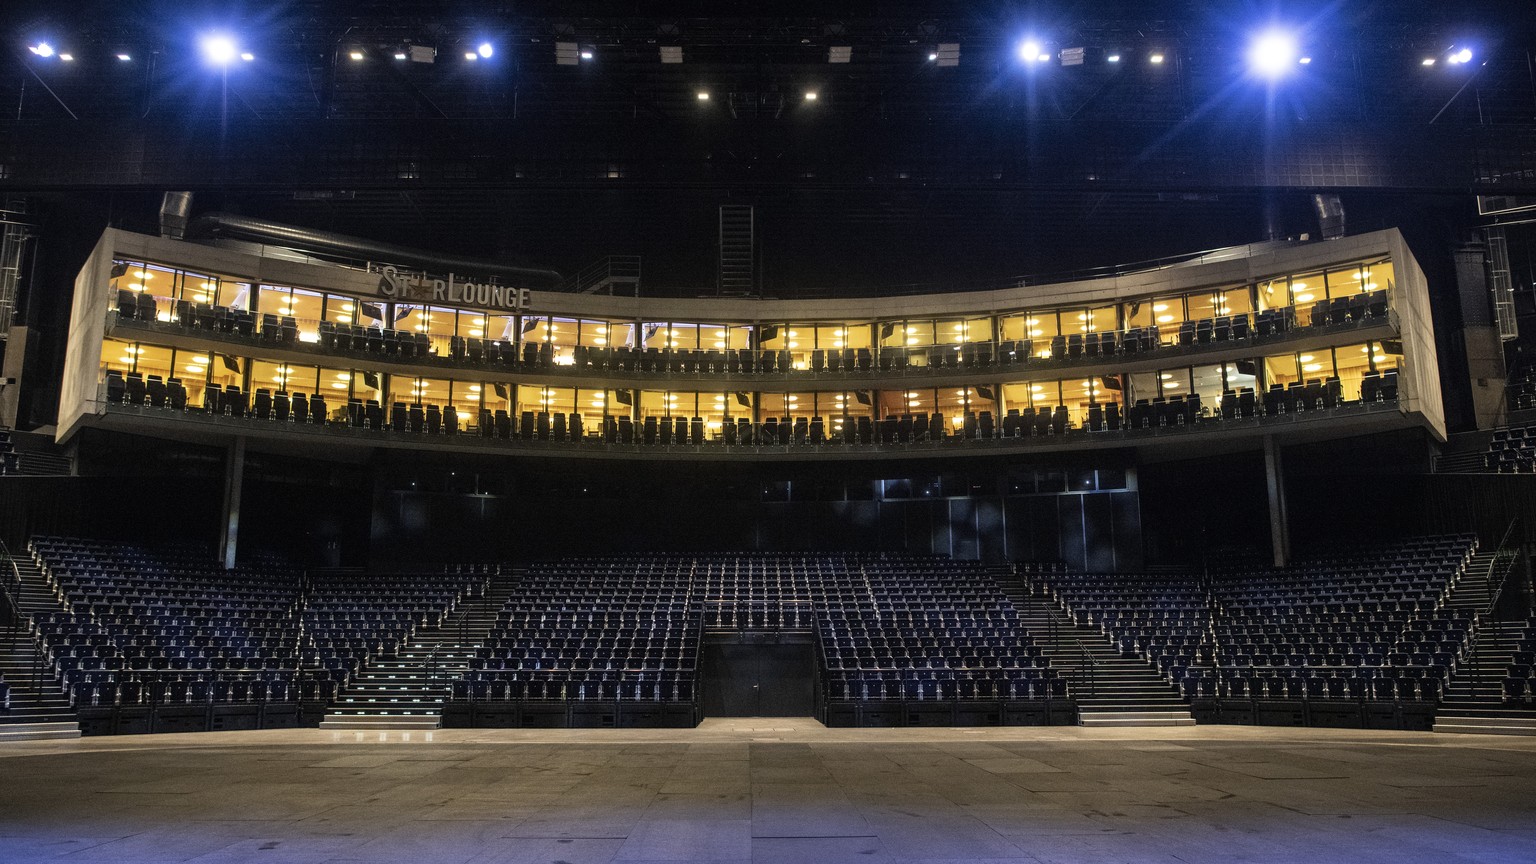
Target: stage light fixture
[[587, 53], [485, 50], [703, 95], [67, 58], [1029, 51], [1428, 61], [42, 49], [471, 56], [247, 56], [1155, 58], [1273, 53], [1112, 58], [355, 54], [933, 55], [1462, 56], [219, 50], [811, 96], [400, 55], [125, 57]]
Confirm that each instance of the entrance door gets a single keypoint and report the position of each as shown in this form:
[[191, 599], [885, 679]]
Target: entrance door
[[757, 679]]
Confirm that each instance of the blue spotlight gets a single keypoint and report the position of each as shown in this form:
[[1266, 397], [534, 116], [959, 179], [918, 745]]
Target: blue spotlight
[[1462, 56], [1273, 54], [485, 50], [1029, 51], [42, 49], [219, 49]]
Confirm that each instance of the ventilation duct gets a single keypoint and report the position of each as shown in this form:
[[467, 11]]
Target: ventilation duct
[[1330, 215], [175, 210], [358, 249]]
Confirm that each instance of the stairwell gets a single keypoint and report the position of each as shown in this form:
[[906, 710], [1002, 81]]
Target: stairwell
[[406, 690], [40, 708], [1474, 702], [1111, 690]]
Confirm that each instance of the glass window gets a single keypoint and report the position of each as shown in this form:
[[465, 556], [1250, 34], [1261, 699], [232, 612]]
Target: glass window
[[1043, 327], [773, 405], [496, 396], [654, 403], [1138, 313], [1012, 327], [1175, 382], [340, 310], [1306, 290], [919, 333], [1209, 384], [1242, 374], [1234, 301], [1168, 313], [621, 334], [1316, 365], [278, 377], [1281, 370], [119, 355], [1105, 319], [465, 397], [334, 384], [1143, 387], [1273, 294]]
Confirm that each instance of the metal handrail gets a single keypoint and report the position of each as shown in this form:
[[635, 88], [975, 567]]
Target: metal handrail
[[1509, 557], [1494, 595]]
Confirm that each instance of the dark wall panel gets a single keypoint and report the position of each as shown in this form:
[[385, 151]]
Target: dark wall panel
[[411, 526], [1126, 523], [1069, 513], [962, 528], [989, 530], [1098, 533]]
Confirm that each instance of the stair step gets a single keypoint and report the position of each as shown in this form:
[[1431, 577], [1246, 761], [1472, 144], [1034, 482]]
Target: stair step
[[385, 723], [1135, 718], [39, 731], [1487, 725]]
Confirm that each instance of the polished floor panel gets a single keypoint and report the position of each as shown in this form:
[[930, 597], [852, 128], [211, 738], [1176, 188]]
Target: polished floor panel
[[772, 790]]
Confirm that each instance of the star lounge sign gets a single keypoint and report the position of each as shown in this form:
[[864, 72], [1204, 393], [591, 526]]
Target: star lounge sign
[[419, 287]]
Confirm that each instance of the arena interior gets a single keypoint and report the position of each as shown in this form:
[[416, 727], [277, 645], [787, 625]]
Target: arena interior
[[767, 432]]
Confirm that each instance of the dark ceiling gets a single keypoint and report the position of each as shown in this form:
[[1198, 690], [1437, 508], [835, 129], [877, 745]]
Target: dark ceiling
[[899, 173]]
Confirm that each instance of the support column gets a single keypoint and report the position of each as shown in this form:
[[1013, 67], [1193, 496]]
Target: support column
[[1279, 518], [234, 473]]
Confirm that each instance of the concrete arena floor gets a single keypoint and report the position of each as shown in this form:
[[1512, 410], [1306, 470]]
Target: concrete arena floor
[[767, 790]]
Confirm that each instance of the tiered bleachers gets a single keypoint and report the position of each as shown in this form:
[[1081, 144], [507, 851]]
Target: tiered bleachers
[[1520, 677], [1512, 450], [348, 620], [758, 592], [914, 629], [1367, 627], [1166, 619], [1521, 388], [593, 629], [10, 460], [166, 628]]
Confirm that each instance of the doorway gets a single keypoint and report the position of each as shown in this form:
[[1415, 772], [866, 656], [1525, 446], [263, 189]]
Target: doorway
[[758, 675]]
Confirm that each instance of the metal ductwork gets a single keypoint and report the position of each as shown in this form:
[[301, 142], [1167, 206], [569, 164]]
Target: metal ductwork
[[175, 210], [356, 248], [1330, 215]]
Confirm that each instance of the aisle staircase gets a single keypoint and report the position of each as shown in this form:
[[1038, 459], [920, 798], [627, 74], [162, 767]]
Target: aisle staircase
[[39, 706], [406, 690], [1110, 690], [1474, 702]]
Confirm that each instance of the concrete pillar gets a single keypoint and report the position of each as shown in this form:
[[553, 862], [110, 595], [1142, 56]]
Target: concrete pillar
[[234, 473], [1279, 518]]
